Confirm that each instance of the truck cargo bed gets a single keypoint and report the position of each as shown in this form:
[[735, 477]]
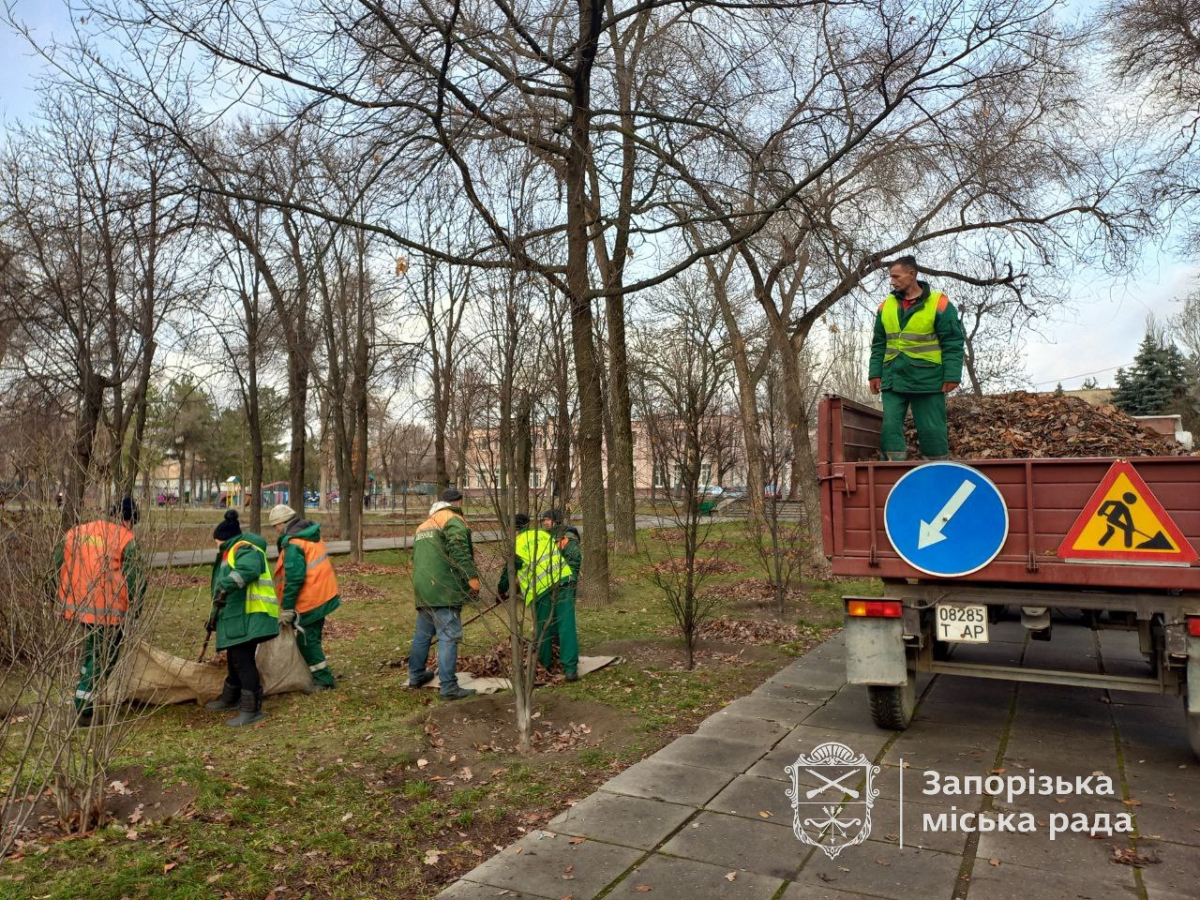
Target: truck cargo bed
[[1044, 498]]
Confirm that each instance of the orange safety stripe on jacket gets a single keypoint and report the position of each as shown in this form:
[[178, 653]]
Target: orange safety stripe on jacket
[[91, 585], [320, 584]]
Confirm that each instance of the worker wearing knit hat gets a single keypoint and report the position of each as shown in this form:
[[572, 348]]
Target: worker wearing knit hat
[[228, 527], [307, 588], [245, 613]]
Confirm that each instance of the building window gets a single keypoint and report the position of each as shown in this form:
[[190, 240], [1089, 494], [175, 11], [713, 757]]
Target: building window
[[660, 474]]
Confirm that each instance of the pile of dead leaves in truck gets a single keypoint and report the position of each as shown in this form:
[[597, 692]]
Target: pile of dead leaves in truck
[[1038, 426]]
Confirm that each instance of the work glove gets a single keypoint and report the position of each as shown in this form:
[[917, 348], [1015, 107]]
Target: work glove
[[475, 585], [218, 605], [503, 595]]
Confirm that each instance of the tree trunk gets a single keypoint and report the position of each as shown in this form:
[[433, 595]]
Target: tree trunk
[[440, 417], [298, 407], [804, 465], [522, 453], [594, 584], [90, 409], [969, 364]]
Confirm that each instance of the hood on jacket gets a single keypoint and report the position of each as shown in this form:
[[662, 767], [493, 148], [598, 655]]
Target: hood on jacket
[[304, 529], [256, 539]]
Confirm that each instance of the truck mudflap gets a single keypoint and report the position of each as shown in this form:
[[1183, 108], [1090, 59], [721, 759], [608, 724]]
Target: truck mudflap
[[875, 653]]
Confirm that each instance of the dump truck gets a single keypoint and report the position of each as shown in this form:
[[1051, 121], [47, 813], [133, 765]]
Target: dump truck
[[959, 544]]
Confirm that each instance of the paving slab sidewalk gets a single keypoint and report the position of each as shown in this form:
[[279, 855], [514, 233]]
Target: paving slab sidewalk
[[709, 814]]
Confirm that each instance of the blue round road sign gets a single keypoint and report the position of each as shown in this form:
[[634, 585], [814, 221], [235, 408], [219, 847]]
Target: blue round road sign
[[946, 519]]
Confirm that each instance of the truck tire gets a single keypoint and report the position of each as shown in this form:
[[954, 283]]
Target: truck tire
[[1193, 727], [892, 707]]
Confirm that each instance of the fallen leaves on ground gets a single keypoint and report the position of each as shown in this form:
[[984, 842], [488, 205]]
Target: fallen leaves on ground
[[360, 590], [1036, 426], [677, 536], [340, 630], [749, 631], [370, 568], [751, 592], [704, 565], [1126, 856], [495, 662]]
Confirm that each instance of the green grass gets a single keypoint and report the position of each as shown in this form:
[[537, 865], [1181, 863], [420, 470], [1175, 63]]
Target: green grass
[[324, 798]]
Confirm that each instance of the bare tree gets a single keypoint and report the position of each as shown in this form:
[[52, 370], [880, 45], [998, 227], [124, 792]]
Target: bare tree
[[683, 366]]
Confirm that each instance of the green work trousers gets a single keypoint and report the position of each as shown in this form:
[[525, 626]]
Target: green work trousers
[[101, 647], [555, 611], [929, 415], [309, 645]]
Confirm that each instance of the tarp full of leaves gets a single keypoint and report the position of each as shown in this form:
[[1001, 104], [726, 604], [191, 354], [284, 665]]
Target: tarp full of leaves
[[1034, 426]]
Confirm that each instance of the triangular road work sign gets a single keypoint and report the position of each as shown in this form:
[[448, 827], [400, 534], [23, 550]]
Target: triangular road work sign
[[1124, 522]]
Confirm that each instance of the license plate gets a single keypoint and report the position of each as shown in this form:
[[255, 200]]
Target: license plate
[[964, 624]]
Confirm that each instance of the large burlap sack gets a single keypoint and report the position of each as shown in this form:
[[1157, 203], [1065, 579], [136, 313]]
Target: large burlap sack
[[147, 675], [281, 666]]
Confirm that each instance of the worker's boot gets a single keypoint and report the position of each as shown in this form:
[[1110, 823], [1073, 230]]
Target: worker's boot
[[250, 710], [228, 700], [459, 693], [893, 456], [937, 458]]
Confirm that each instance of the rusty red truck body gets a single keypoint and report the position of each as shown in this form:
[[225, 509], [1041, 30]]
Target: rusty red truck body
[[892, 638]]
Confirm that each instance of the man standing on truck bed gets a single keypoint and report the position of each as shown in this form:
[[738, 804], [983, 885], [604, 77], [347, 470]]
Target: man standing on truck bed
[[916, 360]]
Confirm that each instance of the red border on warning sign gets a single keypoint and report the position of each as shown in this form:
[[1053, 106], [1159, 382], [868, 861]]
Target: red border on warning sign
[[1185, 554]]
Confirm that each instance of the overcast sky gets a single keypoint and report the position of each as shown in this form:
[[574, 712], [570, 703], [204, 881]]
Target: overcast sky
[[1098, 330]]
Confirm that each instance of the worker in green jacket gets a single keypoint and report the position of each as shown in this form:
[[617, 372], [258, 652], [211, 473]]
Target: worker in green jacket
[[916, 360], [245, 613], [444, 578], [307, 587], [545, 580]]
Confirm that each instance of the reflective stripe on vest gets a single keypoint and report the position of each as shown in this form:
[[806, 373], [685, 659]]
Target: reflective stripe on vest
[[320, 584], [920, 341], [91, 585], [543, 566], [260, 593]]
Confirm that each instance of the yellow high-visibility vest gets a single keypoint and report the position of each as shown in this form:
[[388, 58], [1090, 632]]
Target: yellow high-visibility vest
[[920, 340], [542, 565]]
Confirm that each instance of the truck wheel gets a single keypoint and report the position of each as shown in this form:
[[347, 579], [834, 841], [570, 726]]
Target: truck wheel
[[892, 707], [1193, 726]]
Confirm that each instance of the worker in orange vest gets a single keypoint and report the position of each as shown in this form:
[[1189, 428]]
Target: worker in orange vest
[[307, 587], [101, 586]]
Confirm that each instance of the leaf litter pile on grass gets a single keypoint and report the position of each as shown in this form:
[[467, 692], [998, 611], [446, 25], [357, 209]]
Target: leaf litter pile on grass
[[754, 633], [676, 536], [1036, 426], [370, 568], [705, 565]]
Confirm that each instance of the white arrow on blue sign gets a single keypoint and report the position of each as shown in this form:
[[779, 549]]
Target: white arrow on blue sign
[[946, 519]]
